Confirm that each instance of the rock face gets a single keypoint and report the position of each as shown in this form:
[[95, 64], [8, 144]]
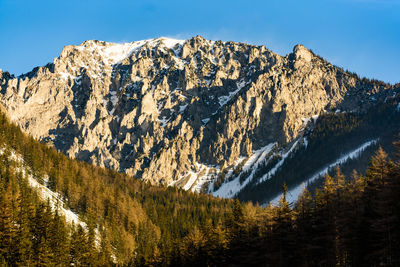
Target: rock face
[[178, 112]]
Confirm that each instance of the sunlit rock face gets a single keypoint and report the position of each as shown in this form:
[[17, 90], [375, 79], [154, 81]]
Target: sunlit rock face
[[176, 111]]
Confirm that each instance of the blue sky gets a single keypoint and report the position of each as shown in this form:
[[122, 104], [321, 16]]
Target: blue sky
[[359, 35]]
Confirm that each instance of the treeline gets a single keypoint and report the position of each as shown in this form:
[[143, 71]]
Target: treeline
[[349, 222]]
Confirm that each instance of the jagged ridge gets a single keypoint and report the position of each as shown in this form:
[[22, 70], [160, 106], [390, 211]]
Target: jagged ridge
[[179, 112]]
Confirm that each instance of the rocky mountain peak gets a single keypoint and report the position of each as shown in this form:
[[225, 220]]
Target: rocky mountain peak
[[302, 53], [177, 111]]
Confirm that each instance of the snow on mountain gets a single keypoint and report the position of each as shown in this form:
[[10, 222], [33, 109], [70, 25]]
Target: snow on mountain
[[225, 99], [279, 164], [231, 188], [54, 199], [114, 53], [44, 192], [196, 177], [293, 193], [260, 157]]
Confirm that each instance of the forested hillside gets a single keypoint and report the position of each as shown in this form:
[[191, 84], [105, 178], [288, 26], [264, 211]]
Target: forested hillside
[[136, 223], [332, 136], [351, 221]]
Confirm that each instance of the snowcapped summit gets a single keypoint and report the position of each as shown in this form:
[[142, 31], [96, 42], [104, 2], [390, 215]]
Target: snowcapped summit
[[114, 53]]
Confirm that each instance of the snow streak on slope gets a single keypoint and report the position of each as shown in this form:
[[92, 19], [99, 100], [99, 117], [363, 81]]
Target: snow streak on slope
[[225, 99], [44, 192], [196, 178], [55, 201], [209, 173], [278, 165], [231, 188], [294, 193]]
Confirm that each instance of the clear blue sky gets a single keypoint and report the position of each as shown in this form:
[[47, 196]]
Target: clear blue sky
[[360, 35]]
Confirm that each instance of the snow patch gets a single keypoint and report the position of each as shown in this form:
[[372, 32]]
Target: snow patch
[[182, 108], [231, 188], [115, 53], [224, 99], [65, 75], [173, 44], [78, 80], [192, 179], [179, 63], [113, 100], [205, 121], [45, 193], [163, 121], [209, 173], [305, 141], [314, 118], [54, 200], [269, 174], [198, 176]]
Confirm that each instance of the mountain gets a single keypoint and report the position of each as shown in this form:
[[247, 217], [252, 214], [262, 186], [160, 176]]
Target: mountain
[[56, 210], [226, 118]]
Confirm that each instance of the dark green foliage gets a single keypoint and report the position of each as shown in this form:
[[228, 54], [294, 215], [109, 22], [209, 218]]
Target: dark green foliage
[[349, 222], [332, 136], [220, 178]]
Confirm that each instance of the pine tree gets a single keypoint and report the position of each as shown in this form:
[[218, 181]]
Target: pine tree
[[304, 229], [23, 242], [79, 248], [283, 235], [7, 229], [43, 255], [237, 220], [329, 189], [378, 168], [58, 240], [324, 225], [91, 244], [216, 244], [105, 249], [193, 248], [384, 224], [339, 179], [371, 237], [396, 145]]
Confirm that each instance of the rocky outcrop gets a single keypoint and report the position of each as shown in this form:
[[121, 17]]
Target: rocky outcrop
[[160, 109]]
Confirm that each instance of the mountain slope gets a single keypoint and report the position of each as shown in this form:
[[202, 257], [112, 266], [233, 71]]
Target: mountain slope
[[187, 113]]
